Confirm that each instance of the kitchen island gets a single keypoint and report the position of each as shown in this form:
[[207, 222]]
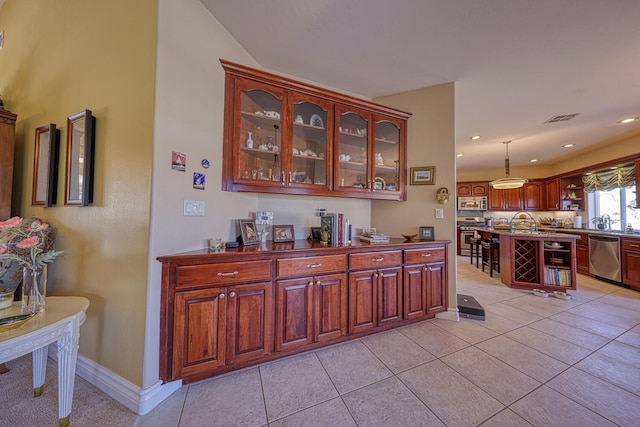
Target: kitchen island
[[532, 259]]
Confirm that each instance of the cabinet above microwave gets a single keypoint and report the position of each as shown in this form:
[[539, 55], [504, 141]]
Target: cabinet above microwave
[[470, 203]]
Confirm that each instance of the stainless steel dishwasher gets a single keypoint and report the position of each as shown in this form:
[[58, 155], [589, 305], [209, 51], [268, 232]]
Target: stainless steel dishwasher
[[604, 257]]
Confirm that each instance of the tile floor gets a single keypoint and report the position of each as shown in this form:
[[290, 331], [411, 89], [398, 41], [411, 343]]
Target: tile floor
[[534, 361]]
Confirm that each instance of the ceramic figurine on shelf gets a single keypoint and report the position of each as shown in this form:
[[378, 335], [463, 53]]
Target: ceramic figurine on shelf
[[250, 140]]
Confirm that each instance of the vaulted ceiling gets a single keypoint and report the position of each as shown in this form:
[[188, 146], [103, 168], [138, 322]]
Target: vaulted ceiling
[[515, 63]]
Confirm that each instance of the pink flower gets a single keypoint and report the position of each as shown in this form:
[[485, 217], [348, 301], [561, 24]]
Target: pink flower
[[11, 222], [28, 242], [3, 249]]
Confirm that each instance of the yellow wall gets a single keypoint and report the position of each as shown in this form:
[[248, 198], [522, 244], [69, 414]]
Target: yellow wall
[[61, 57], [430, 142]]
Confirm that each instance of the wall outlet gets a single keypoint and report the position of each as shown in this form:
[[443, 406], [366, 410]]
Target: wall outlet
[[439, 213], [193, 207]]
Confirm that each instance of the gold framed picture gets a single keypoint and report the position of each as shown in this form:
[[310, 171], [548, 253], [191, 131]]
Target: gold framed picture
[[423, 175]]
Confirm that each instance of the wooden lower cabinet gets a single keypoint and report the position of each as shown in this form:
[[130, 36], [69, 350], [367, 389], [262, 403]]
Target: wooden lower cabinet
[[582, 258], [310, 309], [229, 310], [424, 290], [631, 263], [221, 326], [375, 299]]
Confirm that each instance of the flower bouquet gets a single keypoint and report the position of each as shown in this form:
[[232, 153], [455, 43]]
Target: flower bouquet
[[26, 244]]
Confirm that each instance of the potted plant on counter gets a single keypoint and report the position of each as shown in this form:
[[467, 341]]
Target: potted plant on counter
[[599, 222]]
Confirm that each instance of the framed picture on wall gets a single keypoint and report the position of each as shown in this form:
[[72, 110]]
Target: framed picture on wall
[[423, 175]]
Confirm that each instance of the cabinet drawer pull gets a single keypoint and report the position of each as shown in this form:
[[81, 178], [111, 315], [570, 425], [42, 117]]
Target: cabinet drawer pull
[[310, 283], [232, 294], [377, 259], [316, 265], [634, 245], [425, 255], [221, 296], [227, 274]]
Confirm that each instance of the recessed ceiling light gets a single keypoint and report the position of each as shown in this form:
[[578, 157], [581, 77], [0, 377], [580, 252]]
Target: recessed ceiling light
[[629, 120], [568, 145], [474, 137], [533, 160], [459, 155]]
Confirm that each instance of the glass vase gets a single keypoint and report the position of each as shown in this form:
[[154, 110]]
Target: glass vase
[[34, 289]]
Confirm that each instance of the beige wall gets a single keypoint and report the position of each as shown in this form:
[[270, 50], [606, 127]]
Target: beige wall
[[430, 142], [61, 57]]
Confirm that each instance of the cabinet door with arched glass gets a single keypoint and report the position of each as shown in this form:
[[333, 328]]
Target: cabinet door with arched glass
[[352, 155], [258, 141], [312, 124], [388, 155]]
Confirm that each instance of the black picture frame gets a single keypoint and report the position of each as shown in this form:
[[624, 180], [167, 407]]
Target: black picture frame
[[80, 159], [426, 233], [248, 232], [45, 166], [283, 233], [316, 233]]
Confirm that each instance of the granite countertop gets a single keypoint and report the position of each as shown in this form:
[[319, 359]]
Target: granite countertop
[[541, 233], [634, 234]]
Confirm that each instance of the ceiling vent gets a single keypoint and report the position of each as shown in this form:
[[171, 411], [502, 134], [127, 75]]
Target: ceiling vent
[[561, 118]]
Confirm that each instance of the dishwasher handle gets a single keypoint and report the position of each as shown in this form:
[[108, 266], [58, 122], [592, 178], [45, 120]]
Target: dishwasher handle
[[604, 238]]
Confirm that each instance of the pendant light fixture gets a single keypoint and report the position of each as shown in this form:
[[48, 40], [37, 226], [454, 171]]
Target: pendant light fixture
[[507, 183]]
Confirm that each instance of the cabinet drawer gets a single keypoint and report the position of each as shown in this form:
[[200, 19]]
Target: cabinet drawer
[[223, 273], [419, 256], [311, 265], [375, 260], [631, 244]]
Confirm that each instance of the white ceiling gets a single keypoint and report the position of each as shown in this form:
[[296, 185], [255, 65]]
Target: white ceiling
[[515, 63]]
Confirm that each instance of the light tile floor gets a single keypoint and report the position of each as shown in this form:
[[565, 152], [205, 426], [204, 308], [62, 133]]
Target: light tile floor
[[534, 361]]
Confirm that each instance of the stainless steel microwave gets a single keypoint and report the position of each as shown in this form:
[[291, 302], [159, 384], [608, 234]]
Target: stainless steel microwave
[[475, 203]]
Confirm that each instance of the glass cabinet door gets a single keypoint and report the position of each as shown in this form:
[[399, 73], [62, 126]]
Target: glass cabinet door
[[260, 135], [352, 155], [387, 155], [310, 152]]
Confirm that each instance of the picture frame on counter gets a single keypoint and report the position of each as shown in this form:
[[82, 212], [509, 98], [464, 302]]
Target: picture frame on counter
[[426, 233], [423, 175], [283, 233], [248, 232], [316, 233]]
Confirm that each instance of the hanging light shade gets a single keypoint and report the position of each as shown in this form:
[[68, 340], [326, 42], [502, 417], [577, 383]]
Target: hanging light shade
[[507, 182]]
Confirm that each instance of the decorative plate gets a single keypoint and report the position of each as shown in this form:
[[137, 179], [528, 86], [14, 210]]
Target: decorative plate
[[316, 120], [13, 322]]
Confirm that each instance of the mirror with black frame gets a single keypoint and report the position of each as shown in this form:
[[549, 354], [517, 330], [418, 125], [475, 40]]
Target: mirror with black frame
[[45, 166], [80, 156]]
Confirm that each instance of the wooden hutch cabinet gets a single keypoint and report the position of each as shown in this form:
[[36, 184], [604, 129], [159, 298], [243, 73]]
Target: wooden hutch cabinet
[[7, 148], [284, 136], [226, 310]]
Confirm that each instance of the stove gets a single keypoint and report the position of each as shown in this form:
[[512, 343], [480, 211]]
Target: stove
[[465, 232]]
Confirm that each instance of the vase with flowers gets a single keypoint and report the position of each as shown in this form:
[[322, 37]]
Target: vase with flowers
[[28, 243]]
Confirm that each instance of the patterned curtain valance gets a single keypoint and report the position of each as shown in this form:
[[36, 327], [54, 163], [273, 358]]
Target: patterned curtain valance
[[623, 176]]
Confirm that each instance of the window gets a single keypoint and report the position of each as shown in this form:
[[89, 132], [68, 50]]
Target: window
[[619, 204]]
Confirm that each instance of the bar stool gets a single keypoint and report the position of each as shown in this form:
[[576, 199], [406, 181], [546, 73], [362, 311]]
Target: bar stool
[[475, 250], [490, 255]]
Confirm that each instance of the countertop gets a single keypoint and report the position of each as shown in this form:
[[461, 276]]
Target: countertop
[[635, 234], [540, 233], [551, 232]]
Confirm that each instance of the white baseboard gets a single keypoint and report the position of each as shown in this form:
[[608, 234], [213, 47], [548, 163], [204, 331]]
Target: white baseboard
[[125, 392], [450, 314]]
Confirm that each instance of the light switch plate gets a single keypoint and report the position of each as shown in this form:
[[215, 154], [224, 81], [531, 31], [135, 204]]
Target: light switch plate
[[439, 213], [193, 207]]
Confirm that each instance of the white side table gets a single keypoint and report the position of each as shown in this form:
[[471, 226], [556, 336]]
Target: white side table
[[60, 322]]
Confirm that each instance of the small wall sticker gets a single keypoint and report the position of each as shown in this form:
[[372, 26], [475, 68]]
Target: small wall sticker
[[178, 161], [198, 180], [205, 163]]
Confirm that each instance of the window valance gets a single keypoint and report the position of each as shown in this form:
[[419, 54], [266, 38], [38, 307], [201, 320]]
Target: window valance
[[623, 176]]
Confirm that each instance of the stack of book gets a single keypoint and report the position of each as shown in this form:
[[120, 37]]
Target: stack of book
[[370, 235], [338, 227]]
